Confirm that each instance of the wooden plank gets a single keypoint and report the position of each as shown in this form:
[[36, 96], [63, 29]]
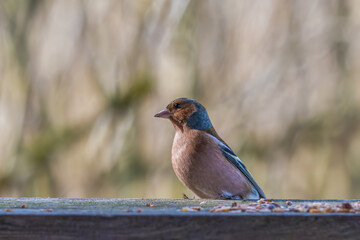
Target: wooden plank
[[46, 218]]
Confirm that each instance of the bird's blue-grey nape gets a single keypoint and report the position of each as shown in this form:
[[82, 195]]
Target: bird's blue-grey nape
[[199, 119]]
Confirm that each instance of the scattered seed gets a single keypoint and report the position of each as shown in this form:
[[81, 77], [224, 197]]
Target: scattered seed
[[316, 211], [150, 205], [191, 209], [266, 206], [278, 209], [223, 209], [197, 208], [346, 205], [275, 204]]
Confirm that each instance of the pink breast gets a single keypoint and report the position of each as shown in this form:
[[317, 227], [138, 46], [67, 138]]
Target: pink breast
[[200, 165]]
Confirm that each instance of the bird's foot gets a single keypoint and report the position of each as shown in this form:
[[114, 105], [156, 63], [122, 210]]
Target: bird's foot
[[222, 196]]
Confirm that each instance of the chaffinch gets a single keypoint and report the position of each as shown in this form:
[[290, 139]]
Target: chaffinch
[[202, 160]]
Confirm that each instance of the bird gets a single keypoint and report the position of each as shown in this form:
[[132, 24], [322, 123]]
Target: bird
[[201, 160]]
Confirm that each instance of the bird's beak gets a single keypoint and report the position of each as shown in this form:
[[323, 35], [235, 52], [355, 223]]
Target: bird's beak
[[163, 114]]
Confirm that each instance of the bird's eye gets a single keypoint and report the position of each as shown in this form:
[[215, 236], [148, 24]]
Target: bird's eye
[[177, 105]]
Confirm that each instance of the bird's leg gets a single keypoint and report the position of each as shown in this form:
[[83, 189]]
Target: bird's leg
[[223, 196]]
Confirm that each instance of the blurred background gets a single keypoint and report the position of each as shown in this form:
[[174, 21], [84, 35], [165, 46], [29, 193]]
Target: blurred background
[[81, 80]]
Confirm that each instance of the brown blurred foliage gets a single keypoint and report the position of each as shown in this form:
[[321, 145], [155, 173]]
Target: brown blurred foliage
[[81, 81]]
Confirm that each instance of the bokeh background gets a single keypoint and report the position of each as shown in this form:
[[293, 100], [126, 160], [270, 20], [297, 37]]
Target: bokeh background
[[81, 80]]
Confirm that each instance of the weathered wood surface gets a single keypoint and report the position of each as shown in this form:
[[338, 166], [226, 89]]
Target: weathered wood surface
[[49, 218]]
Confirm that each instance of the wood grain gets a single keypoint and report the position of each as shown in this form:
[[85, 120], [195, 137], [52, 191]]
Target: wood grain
[[44, 218]]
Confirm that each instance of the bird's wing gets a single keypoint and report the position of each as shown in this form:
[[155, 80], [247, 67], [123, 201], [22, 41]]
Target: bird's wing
[[235, 160]]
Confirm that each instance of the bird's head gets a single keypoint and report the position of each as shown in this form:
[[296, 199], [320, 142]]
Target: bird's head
[[186, 112]]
